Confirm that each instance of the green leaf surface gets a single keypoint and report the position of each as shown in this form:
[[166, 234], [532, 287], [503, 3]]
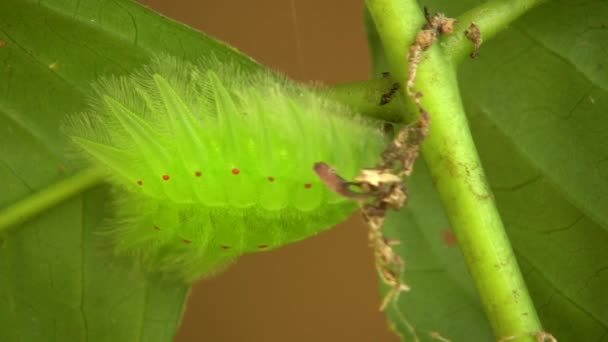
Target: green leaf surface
[[537, 101], [56, 283]]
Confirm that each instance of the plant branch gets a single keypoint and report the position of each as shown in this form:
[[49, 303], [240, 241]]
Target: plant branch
[[38, 202], [457, 173], [491, 17], [364, 97], [379, 62]]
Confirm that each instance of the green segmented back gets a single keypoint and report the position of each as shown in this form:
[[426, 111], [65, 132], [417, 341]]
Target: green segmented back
[[211, 163]]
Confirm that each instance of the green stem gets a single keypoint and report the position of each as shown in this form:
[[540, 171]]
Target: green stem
[[491, 17], [364, 98], [38, 202], [379, 62], [458, 175]]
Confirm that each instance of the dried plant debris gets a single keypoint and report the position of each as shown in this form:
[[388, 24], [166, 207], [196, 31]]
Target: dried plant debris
[[436, 25], [474, 35], [541, 336], [388, 96], [385, 181], [382, 188], [336, 183], [437, 336]]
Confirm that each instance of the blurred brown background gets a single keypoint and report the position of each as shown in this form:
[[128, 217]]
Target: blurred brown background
[[322, 289]]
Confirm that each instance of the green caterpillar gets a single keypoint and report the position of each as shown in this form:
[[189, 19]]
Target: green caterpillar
[[209, 163]]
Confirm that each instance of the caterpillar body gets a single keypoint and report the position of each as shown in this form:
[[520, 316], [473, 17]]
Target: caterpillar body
[[209, 163]]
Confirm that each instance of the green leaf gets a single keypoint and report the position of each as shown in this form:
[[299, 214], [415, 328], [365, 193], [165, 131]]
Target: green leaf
[[56, 283], [537, 101]]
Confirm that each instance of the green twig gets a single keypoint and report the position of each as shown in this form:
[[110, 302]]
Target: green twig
[[379, 62], [491, 18], [457, 172], [364, 97], [38, 202]]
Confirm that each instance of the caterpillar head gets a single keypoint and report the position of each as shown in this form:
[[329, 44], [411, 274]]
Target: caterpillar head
[[209, 163]]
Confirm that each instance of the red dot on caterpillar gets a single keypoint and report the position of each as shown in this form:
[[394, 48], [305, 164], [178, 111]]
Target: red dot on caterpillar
[[156, 228], [271, 179], [198, 174], [166, 177], [225, 247], [308, 185], [236, 171], [140, 182], [262, 246], [186, 241]]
